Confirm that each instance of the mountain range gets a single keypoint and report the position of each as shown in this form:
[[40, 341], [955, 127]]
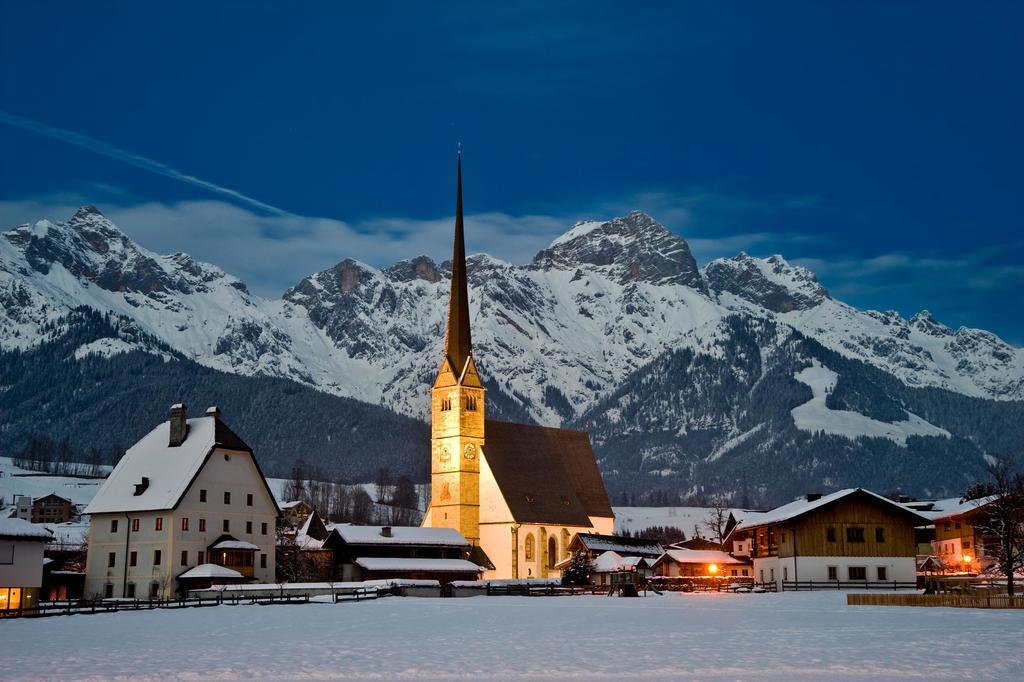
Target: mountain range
[[744, 376]]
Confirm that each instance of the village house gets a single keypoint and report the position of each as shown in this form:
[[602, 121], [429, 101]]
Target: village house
[[696, 543], [52, 508], [294, 513], [518, 492], [611, 568], [959, 546], [594, 544], [852, 535], [381, 552], [189, 493], [21, 563], [701, 563]]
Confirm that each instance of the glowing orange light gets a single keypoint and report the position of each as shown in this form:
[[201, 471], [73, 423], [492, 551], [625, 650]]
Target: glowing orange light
[[712, 568], [967, 558]]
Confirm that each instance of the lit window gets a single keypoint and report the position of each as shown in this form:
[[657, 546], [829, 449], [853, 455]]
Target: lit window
[[529, 547], [159, 523], [135, 525], [184, 523]]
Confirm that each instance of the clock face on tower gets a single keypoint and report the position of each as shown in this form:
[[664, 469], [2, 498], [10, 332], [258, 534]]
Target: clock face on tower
[[470, 451]]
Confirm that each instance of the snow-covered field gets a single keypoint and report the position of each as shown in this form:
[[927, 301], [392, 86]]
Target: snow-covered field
[[810, 636]]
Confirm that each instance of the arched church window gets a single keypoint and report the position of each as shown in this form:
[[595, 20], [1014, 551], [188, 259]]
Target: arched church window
[[552, 552], [565, 541], [530, 549]]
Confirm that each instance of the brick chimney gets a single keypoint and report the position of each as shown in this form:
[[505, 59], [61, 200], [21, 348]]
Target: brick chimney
[[385, 531], [179, 425], [213, 411]]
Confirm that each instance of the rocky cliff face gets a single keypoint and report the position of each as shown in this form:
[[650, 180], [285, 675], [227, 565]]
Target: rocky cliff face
[[555, 339]]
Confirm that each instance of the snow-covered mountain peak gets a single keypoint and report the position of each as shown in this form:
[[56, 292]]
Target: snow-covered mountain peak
[[420, 267], [770, 283], [628, 249]]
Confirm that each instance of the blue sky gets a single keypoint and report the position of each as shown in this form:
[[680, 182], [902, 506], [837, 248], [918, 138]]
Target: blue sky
[[879, 144]]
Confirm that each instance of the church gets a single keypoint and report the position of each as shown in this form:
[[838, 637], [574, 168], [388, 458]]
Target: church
[[518, 493]]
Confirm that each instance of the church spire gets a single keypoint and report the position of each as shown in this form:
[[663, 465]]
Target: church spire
[[457, 344]]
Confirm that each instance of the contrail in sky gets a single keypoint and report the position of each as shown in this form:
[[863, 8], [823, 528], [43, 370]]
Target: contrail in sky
[[100, 147]]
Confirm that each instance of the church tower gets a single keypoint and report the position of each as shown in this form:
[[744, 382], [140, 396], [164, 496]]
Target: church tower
[[457, 409]]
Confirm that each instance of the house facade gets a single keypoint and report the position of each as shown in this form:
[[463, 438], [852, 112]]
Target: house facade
[[701, 563], [21, 563], [959, 545], [852, 535], [189, 493], [518, 492], [52, 508]]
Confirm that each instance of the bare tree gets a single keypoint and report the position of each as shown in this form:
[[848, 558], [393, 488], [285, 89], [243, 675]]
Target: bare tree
[[1000, 501], [295, 488], [385, 488], [718, 518], [362, 507]]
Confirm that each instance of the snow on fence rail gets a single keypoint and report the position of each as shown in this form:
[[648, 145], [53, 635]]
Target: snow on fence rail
[[805, 585], [949, 600], [68, 608]]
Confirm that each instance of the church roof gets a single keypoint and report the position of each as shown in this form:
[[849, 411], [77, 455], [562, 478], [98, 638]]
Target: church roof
[[546, 475], [457, 345]]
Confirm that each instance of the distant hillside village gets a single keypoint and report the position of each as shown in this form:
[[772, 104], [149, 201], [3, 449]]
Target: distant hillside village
[[187, 513]]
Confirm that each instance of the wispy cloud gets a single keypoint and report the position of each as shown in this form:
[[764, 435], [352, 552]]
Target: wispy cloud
[[109, 150]]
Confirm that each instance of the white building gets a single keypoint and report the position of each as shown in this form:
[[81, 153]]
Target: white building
[[21, 563], [189, 493]]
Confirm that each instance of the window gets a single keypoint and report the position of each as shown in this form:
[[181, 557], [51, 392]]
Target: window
[[552, 552], [446, 404], [113, 525], [227, 497], [945, 526], [156, 557], [263, 528], [470, 403], [135, 525], [184, 523], [529, 547], [202, 525], [131, 591], [133, 558], [201, 558], [111, 558], [879, 535], [745, 573], [833, 573], [248, 500], [967, 544], [248, 527], [882, 573], [159, 523], [830, 534], [857, 573], [855, 534], [957, 525], [263, 560], [184, 557], [108, 591], [154, 590], [785, 572], [227, 526], [202, 494], [734, 572]]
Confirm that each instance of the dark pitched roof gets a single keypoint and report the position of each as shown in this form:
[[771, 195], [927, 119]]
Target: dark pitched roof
[[546, 475], [595, 542], [457, 345]]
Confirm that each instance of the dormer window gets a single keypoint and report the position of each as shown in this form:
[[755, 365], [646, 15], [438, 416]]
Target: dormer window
[[141, 487]]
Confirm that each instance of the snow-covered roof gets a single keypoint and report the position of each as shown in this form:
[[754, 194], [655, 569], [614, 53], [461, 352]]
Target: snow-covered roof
[[400, 535], [962, 508], [235, 544], [210, 571], [20, 529], [702, 556], [169, 470], [418, 565], [623, 545], [291, 504], [802, 506], [606, 562]]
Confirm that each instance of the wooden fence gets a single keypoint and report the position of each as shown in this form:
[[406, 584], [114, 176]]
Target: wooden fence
[[110, 606], [964, 601], [807, 585]]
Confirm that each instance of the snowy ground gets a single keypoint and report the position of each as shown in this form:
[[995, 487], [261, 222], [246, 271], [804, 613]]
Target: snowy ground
[[707, 636]]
